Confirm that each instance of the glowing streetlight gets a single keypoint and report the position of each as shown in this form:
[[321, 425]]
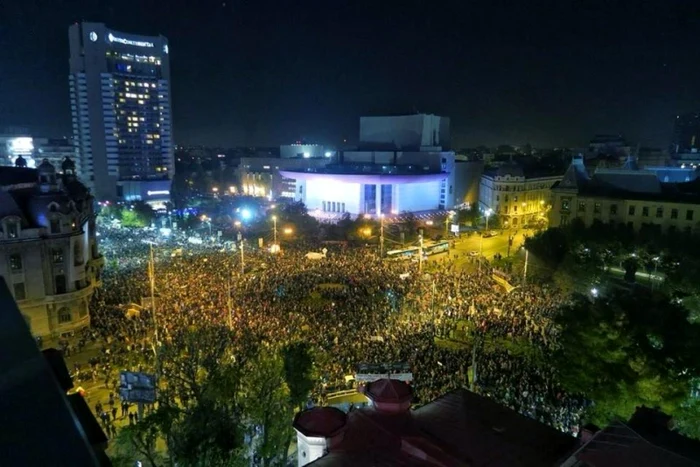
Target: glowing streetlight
[[208, 221], [288, 231], [428, 222], [215, 189]]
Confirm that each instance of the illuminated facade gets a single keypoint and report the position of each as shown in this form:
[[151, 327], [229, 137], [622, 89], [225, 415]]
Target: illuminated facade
[[120, 103], [260, 176], [370, 189], [13, 146], [399, 166], [48, 246], [518, 199]]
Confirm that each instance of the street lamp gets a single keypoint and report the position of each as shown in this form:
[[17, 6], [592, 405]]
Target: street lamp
[[208, 221], [274, 223], [449, 216], [288, 231], [487, 213]]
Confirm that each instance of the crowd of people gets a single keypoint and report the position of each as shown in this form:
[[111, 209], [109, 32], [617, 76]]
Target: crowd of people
[[350, 306]]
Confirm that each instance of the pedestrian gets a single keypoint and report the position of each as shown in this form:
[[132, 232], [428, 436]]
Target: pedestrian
[[114, 413], [131, 418]]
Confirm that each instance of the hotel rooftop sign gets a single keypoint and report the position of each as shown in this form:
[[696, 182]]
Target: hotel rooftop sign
[[112, 38]]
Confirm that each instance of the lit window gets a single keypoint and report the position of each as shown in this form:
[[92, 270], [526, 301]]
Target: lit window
[[16, 262], [64, 315], [57, 255]]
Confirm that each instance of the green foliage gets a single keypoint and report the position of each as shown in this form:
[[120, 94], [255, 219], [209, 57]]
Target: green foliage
[[138, 442], [687, 419], [298, 366], [625, 350], [137, 215], [266, 405], [296, 214]]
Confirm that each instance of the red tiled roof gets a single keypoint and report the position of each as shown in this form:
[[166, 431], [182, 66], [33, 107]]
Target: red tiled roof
[[389, 390], [323, 422]]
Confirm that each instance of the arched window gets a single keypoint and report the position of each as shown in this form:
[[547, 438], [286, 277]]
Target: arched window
[[64, 316]]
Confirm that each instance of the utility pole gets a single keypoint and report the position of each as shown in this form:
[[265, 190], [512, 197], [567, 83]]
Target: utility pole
[[447, 221], [420, 251], [432, 308], [230, 304], [473, 383], [274, 223], [242, 258], [381, 235], [527, 256], [152, 274]]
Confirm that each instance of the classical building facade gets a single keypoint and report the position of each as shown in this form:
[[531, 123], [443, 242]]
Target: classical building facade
[[628, 195], [517, 198], [48, 248]]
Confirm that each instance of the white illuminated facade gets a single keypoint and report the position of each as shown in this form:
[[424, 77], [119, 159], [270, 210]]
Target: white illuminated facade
[[400, 166], [120, 102], [48, 247], [331, 192], [13, 146]]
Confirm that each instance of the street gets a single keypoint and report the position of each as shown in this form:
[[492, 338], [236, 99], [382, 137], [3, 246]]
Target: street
[[489, 247]]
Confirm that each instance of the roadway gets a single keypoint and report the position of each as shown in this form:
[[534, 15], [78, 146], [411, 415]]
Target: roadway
[[490, 246]]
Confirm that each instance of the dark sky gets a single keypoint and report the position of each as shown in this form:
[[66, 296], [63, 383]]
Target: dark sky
[[267, 72]]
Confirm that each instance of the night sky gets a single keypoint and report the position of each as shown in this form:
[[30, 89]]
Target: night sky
[[258, 72]]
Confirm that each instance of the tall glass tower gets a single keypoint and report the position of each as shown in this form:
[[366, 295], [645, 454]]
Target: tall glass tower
[[120, 103]]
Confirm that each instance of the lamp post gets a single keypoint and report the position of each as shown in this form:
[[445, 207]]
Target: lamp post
[[449, 216], [381, 235], [208, 221], [487, 213], [274, 229], [152, 278]]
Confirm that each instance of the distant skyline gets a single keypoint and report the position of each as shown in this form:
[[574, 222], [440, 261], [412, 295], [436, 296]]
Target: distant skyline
[[268, 72]]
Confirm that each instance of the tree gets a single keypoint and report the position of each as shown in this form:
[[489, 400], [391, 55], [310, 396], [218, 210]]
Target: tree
[[138, 441], [298, 366], [625, 350], [267, 405]]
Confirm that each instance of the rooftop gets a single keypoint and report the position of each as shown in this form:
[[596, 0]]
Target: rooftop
[[40, 425], [459, 429]]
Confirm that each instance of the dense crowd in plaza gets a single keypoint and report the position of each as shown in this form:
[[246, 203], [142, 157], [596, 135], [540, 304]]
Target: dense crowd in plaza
[[349, 306]]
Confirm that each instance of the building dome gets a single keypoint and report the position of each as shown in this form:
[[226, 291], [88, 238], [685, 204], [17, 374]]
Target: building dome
[[320, 422], [20, 162], [390, 395], [68, 165], [45, 168]]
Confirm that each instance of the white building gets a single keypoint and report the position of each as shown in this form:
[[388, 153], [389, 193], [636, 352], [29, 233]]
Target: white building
[[417, 132], [400, 166], [48, 247], [304, 151], [13, 146], [120, 103], [55, 150], [260, 176], [516, 198]]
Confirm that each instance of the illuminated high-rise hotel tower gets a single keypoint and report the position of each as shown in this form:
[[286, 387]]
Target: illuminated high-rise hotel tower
[[120, 103]]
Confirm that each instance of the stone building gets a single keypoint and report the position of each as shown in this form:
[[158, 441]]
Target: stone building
[[628, 195], [517, 196], [48, 248]]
